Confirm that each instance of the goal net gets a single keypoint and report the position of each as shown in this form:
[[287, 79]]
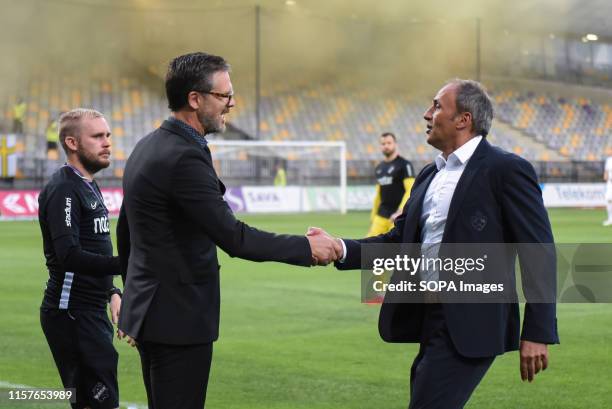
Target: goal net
[[289, 176]]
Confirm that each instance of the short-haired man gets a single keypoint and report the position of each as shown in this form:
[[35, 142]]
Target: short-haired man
[[172, 220], [79, 253], [394, 179], [473, 193]]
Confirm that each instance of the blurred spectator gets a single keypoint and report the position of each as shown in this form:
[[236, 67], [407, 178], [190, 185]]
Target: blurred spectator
[[52, 136], [19, 111], [280, 179]]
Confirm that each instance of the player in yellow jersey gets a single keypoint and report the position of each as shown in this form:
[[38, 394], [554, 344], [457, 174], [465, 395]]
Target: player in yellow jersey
[[394, 177]]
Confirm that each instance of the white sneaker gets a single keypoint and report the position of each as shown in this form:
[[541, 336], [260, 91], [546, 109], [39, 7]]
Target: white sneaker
[[607, 222]]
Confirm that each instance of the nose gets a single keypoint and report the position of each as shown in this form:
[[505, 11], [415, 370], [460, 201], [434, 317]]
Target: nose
[[107, 142], [427, 115], [232, 102]]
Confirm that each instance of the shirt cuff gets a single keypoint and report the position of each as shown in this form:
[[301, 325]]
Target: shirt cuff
[[343, 259]]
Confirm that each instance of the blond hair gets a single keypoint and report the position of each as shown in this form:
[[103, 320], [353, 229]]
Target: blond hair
[[70, 123]]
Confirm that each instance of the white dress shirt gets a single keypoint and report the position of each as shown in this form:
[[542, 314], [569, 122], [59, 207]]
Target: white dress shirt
[[441, 189], [438, 199], [439, 195]]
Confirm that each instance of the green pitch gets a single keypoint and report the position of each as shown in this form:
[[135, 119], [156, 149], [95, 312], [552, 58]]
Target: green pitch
[[300, 338]]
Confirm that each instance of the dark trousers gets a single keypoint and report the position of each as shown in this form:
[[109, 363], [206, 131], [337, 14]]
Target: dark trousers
[[175, 376], [81, 342], [440, 377]]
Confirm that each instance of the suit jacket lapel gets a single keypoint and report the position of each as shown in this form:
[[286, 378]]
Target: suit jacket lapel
[[413, 213], [207, 155], [470, 171]]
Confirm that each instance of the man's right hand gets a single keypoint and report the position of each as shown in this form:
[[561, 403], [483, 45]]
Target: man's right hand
[[129, 339], [325, 248]]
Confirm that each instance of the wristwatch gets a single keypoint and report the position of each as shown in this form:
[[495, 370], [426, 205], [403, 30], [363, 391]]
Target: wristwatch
[[113, 290]]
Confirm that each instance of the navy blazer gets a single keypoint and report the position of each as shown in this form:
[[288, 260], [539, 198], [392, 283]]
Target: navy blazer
[[501, 188]]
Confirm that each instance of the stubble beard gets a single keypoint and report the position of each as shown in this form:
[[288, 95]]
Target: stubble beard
[[90, 162], [209, 124]]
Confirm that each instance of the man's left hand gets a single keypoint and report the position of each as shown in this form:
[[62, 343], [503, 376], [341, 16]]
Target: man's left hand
[[115, 308], [534, 358]]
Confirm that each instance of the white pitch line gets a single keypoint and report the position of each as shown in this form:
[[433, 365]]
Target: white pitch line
[[8, 385]]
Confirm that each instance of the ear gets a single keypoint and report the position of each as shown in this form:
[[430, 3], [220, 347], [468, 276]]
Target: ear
[[193, 100], [464, 121], [72, 143]]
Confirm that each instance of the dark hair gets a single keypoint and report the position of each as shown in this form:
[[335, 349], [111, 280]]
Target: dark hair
[[191, 72], [472, 98], [385, 134]]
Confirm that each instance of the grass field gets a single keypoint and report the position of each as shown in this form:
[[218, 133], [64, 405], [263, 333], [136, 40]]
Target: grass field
[[300, 338]]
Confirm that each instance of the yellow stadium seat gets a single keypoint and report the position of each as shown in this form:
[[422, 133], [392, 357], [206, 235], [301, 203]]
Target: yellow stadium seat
[[316, 127], [119, 154], [118, 131], [53, 154]]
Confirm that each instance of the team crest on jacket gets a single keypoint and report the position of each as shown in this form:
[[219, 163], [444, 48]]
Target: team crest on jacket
[[479, 221]]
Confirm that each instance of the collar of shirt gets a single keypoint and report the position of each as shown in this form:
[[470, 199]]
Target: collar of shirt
[[190, 130], [459, 156]]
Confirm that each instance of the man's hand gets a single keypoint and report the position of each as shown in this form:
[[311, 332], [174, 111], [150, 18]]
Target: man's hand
[[315, 233], [534, 358], [395, 215], [129, 339], [115, 308]]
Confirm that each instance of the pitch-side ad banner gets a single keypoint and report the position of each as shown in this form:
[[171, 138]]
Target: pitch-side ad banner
[[574, 194], [23, 204], [16, 204], [486, 273]]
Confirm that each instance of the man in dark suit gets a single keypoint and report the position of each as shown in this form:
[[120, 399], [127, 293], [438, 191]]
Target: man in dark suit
[[472, 193], [173, 217]]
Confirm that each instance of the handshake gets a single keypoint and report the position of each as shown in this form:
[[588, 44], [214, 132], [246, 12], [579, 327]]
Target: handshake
[[324, 248]]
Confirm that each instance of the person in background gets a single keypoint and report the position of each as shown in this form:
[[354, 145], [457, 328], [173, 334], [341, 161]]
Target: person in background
[[394, 177], [280, 179], [52, 137], [19, 112]]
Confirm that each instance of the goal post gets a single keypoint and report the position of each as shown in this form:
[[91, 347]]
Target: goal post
[[308, 165]]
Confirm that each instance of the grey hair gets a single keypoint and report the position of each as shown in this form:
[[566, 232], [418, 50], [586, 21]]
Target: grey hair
[[473, 98]]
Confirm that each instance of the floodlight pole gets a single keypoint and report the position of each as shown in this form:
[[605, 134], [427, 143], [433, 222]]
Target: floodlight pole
[[257, 71]]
